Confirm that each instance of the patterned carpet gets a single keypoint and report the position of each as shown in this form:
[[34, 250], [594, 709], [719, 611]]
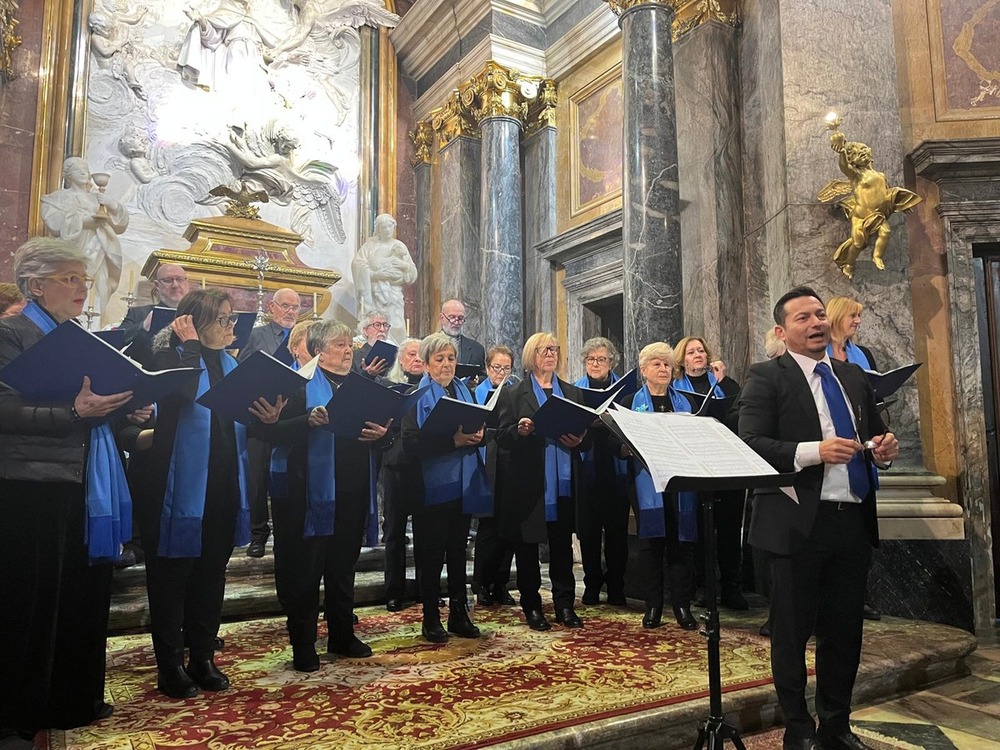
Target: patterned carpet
[[511, 683]]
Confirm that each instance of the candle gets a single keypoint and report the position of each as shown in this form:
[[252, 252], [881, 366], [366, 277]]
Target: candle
[[202, 282], [407, 328], [90, 299], [131, 280], [315, 305]]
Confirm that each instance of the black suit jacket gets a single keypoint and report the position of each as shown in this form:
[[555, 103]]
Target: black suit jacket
[[471, 352], [266, 338], [777, 412]]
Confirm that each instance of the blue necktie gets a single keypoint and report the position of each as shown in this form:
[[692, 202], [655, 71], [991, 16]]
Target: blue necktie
[[857, 472]]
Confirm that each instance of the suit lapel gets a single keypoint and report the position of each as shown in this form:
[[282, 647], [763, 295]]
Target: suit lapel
[[799, 387]]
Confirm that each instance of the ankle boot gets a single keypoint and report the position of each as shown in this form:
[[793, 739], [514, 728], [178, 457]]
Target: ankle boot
[[458, 620], [431, 628]]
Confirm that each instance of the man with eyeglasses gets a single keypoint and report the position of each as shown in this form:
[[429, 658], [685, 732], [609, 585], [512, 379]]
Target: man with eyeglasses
[[170, 284], [469, 351], [375, 327], [272, 337]]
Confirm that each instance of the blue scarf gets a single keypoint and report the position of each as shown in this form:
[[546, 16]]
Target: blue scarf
[[187, 478], [321, 484], [459, 474], [589, 457], [684, 384], [650, 502], [558, 460], [109, 504], [854, 354]]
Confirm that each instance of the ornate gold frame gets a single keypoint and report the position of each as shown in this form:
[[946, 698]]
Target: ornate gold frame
[[605, 79], [942, 111]]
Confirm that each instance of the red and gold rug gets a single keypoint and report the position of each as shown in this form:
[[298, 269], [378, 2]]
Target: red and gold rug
[[511, 683]]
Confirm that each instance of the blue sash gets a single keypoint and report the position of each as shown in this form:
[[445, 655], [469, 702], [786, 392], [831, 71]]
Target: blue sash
[[459, 474], [108, 501], [854, 354], [187, 478], [589, 458], [650, 502], [684, 384], [558, 460]]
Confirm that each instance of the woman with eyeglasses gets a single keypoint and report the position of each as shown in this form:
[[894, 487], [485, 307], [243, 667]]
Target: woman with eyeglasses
[[56, 554], [541, 490], [193, 508], [493, 556], [604, 517]]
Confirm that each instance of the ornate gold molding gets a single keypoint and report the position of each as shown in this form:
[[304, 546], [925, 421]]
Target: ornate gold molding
[[423, 138], [542, 110], [453, 120], [688, 14], [9, 40], [499, 92]]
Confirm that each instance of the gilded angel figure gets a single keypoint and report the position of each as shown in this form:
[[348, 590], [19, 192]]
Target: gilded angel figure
[[868, 201]]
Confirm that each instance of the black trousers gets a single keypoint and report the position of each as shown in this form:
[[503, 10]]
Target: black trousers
[[494, 556], [605, 519], [301, 562], [820, 591], [396, 511], [529, 571], [186, 594], [55, 610], [668, 553], [440, 535], [258, 483], [728, 515]]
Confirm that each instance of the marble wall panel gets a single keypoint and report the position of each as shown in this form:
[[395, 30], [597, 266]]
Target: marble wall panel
[[459, 201], [421, 323], [406, 195], [539, 174], [575, 13], [517, 30]]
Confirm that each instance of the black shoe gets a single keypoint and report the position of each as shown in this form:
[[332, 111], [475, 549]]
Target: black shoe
[[684, 618], [353, 648], [218, 644], [432, 631], [653, 617], [617, 600], [127, 559], [765, 629], [103, 711], [591, 597], [502, 596], [207, 675], [394, 605], [536, 620], [870, 613], [305, 659], [733, 598], [846, 741], [485, 599], [175, 683], [568, 618], [459, 622], [256, 548]]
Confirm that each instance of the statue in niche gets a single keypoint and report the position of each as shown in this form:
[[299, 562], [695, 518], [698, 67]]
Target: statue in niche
[[224, 47], [90, 219], [264, 157], [111, 43], [381, 267], [869, 200]]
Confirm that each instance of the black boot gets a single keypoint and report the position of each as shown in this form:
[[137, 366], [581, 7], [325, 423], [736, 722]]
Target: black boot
[[175, 682], [207, 675], [431, 628], [458, 620], [502, 596]]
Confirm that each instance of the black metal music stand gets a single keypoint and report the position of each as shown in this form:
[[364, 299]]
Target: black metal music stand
[[714, 732]]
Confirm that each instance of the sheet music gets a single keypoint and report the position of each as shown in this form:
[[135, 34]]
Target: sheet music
[[683, 445]]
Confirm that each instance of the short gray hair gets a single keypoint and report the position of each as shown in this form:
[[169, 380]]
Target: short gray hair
[[599, 342], [434, 343], [369, 317], [41, 256], [322, 333], [396, 373]]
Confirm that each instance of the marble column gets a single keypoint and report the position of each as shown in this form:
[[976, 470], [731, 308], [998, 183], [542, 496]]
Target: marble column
[[651, 230], [422, 303], [539, 225], [458, 209], [500, 233]]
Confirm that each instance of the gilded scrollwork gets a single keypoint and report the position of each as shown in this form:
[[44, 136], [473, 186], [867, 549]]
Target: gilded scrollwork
[[542, 110], [9, 40], [423, 140]]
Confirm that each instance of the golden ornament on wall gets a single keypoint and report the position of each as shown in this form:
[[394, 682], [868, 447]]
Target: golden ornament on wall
[[9, 40]]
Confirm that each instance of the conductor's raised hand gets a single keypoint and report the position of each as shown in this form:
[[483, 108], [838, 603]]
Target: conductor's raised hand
[[183, 326], [466, 439], [572, 441], [318, 416], [373, 431], [89, 405], [266, 412], [838, 450]]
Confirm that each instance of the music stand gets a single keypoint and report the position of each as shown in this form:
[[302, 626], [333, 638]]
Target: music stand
[[714, 732]]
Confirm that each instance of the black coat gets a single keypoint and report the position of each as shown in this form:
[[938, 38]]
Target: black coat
[[522, 501], [777, 413]]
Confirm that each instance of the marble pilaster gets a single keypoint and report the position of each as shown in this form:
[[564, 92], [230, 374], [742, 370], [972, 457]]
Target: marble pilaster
[[458, 199], [502, 289], [653, 284], [539, 152], [423, 301], [710, 177]]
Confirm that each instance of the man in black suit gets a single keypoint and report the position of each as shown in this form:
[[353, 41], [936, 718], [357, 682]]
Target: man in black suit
[[170, 284], [469, 351], [284, 308], [804, 413]]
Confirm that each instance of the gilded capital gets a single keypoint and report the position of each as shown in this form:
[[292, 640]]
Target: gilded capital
[[499, 92], [542, 110], [423, 139], [688, 14], [454, 119]]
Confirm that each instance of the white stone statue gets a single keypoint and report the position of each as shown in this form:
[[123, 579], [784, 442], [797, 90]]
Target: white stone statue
[[381, 267], [111, 43], [91, 220]]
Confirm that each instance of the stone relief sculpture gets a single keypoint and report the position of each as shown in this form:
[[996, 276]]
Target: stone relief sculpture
[[868, 200], [381, 268], [90, 219], [111, 42], [134, 146]]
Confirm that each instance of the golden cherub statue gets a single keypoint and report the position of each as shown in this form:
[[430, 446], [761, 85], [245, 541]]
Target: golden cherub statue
[[868, 203]]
